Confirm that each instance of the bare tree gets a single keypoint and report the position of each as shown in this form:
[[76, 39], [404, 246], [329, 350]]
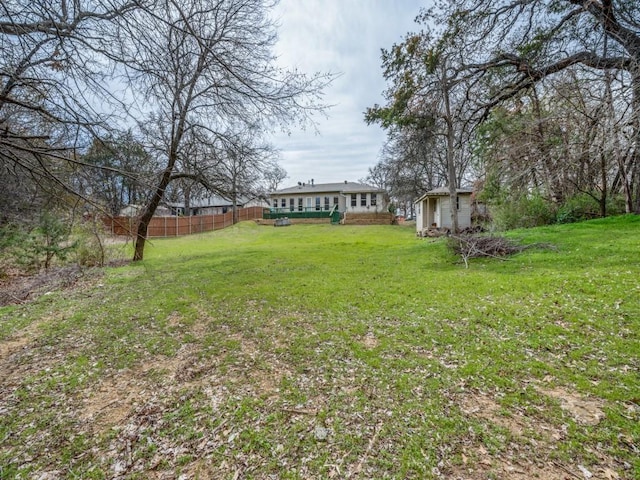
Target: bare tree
[[203, 65], [243, 160], [411, 164], [429, 94], [115, 172], [50, 70], [514, 45], [274, 175]]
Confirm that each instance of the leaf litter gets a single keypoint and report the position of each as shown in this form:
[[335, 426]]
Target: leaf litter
[[136, 417]]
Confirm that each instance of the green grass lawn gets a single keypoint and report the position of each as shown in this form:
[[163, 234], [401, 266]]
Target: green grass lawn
[[318, 351]]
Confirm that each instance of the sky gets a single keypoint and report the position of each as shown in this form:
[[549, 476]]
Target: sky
[[343, 37]]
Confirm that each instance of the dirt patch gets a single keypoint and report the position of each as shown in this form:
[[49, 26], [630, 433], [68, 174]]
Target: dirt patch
[[9, 347], [485, 407], [479, 464], [370, 341], [20, 356], [113, 400], [527, 453], [20, 288], [586, 411]]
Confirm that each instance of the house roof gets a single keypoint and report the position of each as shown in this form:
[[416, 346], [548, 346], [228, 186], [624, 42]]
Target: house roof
[[442, 192], [342, 187], [211, 201]]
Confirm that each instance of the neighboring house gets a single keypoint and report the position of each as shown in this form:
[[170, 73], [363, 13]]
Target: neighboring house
[[131, 211], [346, 197], [433, 209], [135, 210], [216, 205]]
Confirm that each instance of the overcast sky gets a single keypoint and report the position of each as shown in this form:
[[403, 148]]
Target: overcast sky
[[342, 37]]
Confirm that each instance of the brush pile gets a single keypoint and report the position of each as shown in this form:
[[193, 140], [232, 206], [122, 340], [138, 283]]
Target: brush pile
[[476, 246]]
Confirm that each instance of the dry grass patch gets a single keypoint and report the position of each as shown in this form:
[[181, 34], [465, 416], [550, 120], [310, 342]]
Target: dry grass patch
[[529, 446], [584, 410], [370, 341]]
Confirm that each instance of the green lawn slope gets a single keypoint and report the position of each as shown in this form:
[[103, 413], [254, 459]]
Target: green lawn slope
[[318, 351]]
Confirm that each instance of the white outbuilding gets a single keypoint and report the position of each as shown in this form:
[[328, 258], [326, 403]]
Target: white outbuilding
[[433, 209]]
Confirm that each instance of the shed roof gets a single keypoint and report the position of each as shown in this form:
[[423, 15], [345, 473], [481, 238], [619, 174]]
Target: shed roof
[[444, 191], [342, 187]]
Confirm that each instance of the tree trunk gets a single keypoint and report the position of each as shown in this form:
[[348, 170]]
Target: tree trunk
[[147, 215], [603, 176], [187, 199], [453, 191], [635, 164], [234, 207], [451, 167]]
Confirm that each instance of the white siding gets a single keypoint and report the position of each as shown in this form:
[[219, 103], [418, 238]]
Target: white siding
[[344, 201], [436, 209], [464, 212]]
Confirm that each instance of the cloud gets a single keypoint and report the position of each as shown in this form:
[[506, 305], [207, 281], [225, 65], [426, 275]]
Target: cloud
[[344, 37]]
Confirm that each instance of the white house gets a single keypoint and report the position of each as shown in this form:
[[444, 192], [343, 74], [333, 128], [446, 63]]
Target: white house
[[347, 197], [135, 210], [433, 209], [216, 205]]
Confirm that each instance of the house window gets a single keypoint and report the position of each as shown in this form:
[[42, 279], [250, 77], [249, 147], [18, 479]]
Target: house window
[[275, 203], [317, 203], [283, 203], [326, 203], [335, 200], [363, 199], [300, 204], [354, 200], [292, 204], [457, 203], [374, 199]]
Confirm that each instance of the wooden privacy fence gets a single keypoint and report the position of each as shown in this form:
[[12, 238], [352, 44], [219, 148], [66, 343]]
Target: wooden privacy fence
[[177, 226]]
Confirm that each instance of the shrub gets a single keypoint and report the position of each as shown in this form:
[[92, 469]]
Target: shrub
[[49, 240], [585, 207], [38, 247], [522, 212], [577, 208]]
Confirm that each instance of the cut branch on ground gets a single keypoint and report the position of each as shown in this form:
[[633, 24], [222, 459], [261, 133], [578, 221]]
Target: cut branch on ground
[[477, 246]]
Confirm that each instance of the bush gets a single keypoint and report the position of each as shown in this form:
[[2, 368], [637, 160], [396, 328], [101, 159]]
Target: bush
[[578, 208], [523, 212], [49, 240], [32, 249], [91, 250], [584, 207], [12, 237], [94, 248]]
